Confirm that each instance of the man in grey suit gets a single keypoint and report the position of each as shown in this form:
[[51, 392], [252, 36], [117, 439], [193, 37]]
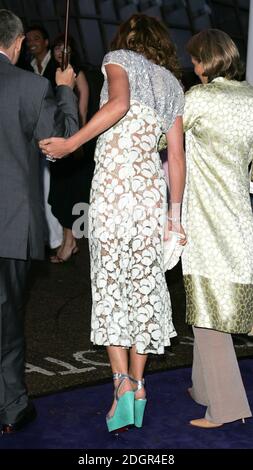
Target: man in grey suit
[[29, 112]]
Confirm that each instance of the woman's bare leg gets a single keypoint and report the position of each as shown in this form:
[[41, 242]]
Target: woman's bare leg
[[136, 369], [118, 357]]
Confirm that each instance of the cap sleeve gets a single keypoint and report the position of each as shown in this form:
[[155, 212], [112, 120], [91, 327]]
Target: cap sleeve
[[119, 57], [175, 105], [179, 108]]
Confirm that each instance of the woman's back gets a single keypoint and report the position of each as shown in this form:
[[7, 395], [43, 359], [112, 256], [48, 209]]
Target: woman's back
[[128, 211], [150, 85], [218, 259], [219, 146], [220, 115]]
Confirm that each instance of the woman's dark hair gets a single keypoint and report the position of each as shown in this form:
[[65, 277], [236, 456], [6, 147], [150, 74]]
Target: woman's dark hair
[[218, 54], [59, 40], [148, 36]]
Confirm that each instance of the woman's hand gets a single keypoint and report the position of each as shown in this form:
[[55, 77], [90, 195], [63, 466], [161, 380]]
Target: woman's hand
[[55, 147], [172, 227], [183, 240]]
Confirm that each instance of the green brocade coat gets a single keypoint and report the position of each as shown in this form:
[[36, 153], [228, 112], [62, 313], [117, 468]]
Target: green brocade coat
[[218, 259]]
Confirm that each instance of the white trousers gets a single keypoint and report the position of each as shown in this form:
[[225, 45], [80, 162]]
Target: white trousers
[[54, 228]]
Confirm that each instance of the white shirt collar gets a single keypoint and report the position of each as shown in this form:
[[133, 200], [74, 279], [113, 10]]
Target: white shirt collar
[[4, 53], [43, 63]]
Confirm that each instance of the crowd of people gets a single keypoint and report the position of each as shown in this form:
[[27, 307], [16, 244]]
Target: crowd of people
[[142, 98]]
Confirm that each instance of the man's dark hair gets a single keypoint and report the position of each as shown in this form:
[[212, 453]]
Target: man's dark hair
[[11, 27], [41, 29]]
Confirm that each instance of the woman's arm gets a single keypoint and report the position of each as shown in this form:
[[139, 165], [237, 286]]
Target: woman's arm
[[83, 95], [110, 113], [177, 170], [176, 161]]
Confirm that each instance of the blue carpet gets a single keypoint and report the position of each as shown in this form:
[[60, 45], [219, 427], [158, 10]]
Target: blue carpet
[[76, 419]]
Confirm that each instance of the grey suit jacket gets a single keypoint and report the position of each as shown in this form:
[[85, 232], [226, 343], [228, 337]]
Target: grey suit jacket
[[29, 111]]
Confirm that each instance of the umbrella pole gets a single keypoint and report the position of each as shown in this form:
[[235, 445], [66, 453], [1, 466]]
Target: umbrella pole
[[65, 55]]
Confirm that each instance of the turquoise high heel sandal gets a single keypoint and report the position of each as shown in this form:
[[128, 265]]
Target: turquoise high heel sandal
[[139, 404], [124, 411]]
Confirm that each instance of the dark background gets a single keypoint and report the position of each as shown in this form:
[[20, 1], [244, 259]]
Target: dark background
[[93, 22]]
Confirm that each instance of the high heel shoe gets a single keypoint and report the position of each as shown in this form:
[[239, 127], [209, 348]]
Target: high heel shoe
[[124, 412], [139, 404]]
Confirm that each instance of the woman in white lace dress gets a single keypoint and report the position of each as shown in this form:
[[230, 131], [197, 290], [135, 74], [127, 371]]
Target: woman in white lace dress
[[141, 99]]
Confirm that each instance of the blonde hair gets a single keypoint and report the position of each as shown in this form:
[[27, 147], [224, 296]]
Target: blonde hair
[[218, 54], [148, 36]]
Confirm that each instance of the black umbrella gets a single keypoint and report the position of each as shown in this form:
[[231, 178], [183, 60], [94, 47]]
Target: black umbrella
[[65, 56]]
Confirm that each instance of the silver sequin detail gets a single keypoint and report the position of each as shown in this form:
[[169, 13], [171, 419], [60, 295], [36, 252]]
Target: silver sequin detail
[[150, 84]]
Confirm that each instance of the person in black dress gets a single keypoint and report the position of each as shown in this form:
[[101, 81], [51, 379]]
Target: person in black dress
[[68, 177]]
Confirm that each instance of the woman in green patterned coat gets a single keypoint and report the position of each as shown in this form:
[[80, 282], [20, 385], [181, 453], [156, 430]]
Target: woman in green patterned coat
[[218, 259]]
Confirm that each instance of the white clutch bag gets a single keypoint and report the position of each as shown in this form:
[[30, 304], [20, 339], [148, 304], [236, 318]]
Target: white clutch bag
[[172, 250]]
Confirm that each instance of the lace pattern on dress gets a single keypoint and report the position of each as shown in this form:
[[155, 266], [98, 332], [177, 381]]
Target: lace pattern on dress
[[131, 303]]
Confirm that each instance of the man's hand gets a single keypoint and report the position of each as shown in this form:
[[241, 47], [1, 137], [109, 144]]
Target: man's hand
[[66, 77]]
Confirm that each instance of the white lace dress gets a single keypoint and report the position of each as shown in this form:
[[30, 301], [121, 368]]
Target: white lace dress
[[131, 303]]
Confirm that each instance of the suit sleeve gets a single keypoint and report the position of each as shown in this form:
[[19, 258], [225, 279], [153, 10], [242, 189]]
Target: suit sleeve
[[58, 114]]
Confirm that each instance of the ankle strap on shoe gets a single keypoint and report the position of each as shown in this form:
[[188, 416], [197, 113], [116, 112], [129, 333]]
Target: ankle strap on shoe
[[140, 383], [120, 376]]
